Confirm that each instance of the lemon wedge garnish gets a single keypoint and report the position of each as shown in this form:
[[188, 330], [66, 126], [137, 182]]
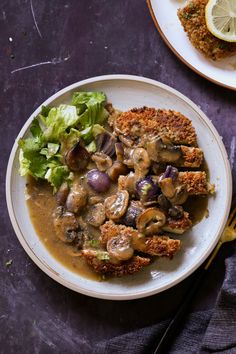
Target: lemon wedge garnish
[[221, 19]]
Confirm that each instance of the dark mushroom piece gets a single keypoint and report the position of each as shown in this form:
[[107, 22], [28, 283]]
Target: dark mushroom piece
[[164, 203], [150, 221], [62, 194], [176, 212], [96, 215], [160, 152], [65, 225], [77, 198], [77, 158], [102, 161], [116, 205], [120, 248], [105, 142]]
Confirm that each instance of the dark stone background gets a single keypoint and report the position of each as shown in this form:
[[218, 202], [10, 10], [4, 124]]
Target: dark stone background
[[97, 37]]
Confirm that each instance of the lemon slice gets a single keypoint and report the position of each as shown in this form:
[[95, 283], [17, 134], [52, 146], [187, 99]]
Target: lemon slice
[[221, 19]]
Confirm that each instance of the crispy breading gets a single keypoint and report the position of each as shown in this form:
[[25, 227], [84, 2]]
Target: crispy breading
[[178, 226], [139, 123], [134, 265], [195, 182], [110, 230], [192, 18], [191, 157], [161, 246]]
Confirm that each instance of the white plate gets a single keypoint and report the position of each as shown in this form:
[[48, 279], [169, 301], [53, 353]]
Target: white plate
[[164, 14], [126, 92]]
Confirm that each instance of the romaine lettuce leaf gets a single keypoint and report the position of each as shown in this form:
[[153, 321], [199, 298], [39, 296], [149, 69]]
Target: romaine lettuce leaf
[[58, 121], [56, 130], [56, 175], [90, 107]]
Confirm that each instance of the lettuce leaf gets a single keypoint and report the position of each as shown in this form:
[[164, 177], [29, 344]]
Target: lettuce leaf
[[58, 121], [90, 108], [57, 129]]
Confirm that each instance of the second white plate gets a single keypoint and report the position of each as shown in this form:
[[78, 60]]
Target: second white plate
[[164, 14]]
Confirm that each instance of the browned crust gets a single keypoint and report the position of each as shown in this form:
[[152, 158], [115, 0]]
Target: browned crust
[[191, 157], [134, 265], [110, 230], [179, 225], [140, 122], [161, 246], [195, 182], [192, 18]]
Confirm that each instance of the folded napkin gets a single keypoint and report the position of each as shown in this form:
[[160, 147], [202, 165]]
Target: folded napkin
[[210, 331]]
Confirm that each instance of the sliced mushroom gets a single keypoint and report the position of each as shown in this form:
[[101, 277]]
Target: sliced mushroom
[[120, 248], [62, 194], [150, 221], [128, 183], [128, 157], [77, 198], [119, 152], [167, 187], [105, 142], [116, 205], [160, 152], [141, 161], [96, 215], [77, 158], [117, 169], [103, 161], [95, 200], [180, 196], [65, 225]]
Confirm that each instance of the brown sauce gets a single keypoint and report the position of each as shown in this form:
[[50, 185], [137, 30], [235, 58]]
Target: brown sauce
[[41, 205]]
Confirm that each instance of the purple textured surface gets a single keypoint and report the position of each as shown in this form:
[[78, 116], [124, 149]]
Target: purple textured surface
[[77, 39]]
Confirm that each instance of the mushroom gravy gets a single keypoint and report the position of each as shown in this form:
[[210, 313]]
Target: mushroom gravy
[[41, 204]]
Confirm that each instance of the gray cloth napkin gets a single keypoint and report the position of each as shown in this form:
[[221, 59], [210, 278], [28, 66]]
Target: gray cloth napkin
[[211, 331]]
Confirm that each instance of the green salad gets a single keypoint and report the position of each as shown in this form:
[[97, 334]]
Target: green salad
[[56, 129]]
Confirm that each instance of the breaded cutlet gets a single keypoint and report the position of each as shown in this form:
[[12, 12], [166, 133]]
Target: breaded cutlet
[[161, 246], [178, 226], [139, 123], [134, 265], [192, 18], [195, 182]]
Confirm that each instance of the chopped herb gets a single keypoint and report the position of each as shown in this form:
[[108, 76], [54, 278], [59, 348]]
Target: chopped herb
[[94, 243], [103, 256], [9, 263], [186, 16]]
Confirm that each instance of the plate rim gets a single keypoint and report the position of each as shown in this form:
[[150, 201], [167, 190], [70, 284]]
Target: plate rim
[[179, 56], [51, 272]]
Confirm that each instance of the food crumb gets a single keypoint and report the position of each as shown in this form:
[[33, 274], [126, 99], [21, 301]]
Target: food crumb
[[8, 263]]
